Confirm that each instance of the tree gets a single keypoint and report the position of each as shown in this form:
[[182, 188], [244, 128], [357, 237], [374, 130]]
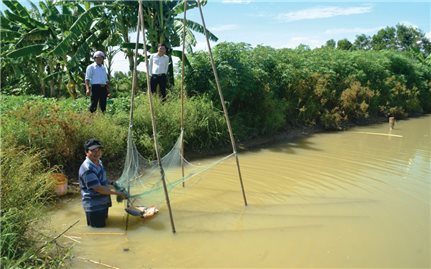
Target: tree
[[47, 44], [384, 39], [344, 44], [330, 44], [164, 24], [22, 36], [362, 42], [403, 38], [52, 44], [412, 39]]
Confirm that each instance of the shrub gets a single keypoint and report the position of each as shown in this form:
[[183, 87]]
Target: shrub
[[27, 189], [355, 101], [60, 132], [332, 120], [204, 125]]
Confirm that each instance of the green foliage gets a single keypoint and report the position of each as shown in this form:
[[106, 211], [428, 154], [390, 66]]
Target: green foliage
[[27, 188], [205, 127], [46, 125], [59, 128], [245, 82], [311, 87]]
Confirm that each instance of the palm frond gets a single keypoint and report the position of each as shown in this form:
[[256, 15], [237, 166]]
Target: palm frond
[[81, 25], [81, 52], [15, 7], [179, 8], [18, 13], [29, 51], [7, 36], [179, 54], [199, 29]]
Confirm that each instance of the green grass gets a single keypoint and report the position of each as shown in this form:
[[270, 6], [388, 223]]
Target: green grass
[[26, 191]]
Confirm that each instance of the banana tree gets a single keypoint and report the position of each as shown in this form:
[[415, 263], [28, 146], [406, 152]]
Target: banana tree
[[47, 44], [165, 24], [22, 37], [86, 33]]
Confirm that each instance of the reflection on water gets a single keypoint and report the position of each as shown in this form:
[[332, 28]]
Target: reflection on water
[[359, 198]]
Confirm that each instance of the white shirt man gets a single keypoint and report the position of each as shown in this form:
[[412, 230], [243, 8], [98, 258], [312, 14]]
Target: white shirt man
[[96, 82], [158, 69], [96, 74]]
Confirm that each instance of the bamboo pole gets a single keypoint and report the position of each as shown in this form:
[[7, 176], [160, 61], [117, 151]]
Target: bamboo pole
[[153, 119], [134, 77], [98, 263], [132, 107], [182, 92], [232, 140]]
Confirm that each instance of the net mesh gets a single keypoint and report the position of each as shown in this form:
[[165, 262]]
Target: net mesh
[[142, 177]]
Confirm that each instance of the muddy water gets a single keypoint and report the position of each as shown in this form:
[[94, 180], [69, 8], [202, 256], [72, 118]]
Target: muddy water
[[359, 198]]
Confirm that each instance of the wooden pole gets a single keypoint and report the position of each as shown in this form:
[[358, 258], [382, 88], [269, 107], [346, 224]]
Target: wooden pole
[[232, 140], [182, 91], [132, 107], [153, 118]]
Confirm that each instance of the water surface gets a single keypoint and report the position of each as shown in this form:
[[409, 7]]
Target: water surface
[[359, 198]]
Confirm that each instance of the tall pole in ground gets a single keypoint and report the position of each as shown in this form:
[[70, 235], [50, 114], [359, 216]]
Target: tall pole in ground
[[153, 118], [182, 92], [132, 107], [232, 140]]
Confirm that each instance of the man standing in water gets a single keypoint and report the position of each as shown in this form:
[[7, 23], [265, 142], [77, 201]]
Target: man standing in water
[[95, 191], [158, 69], [391, 122], [96, 82]]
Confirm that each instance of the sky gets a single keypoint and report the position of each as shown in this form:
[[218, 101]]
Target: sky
[[287, 24], [281, 24]]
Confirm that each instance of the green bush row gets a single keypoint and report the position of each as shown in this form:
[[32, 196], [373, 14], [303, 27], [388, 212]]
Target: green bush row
[[267, 89], [59, 128]]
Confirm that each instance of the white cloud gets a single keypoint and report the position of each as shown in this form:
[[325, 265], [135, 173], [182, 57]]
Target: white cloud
[[409, 24], [224, 28], [295, 41], [428, 35], [356, 30], [322, 12]]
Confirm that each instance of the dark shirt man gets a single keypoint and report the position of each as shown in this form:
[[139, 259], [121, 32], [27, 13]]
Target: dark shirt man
[[95, 190]]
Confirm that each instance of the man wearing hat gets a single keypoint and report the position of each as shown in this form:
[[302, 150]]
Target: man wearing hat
[[95, 190], [96, 82]]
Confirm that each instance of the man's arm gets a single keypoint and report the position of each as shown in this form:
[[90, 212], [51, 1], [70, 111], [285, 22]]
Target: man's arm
[[87, 87], [107, 82], [167, 64], [107, 191], [107, 88], [88, 75], [150, 66]]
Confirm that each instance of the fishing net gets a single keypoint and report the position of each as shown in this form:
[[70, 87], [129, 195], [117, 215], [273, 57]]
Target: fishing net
[[142, 178], [148, 182]]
